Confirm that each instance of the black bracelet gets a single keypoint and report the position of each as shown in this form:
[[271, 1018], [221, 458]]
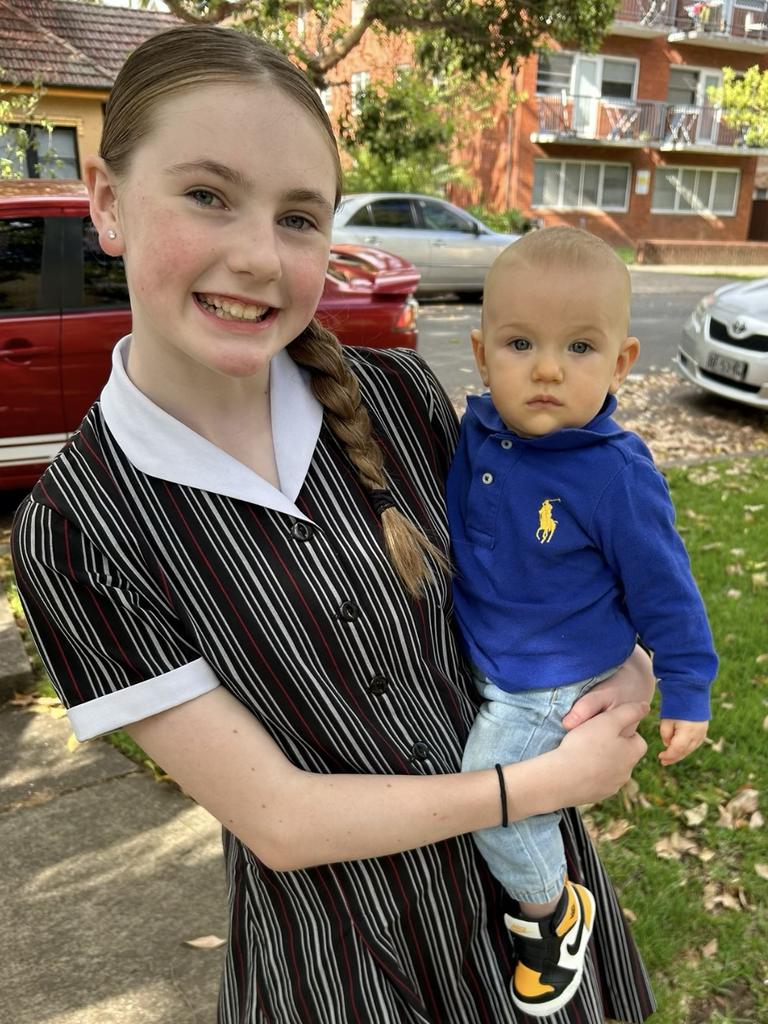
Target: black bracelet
[[503, 794]]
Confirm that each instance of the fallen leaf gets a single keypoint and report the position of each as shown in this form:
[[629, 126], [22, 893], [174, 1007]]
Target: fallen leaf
[[744, 802], [762, 870], [709, 950], [631, 916], [733, 594], [759, 580], [206, 942], [696, 814], [756, 820], [616, 829], [73, 743], [23, 700], [761, 659], [716, 895], [672, 847]]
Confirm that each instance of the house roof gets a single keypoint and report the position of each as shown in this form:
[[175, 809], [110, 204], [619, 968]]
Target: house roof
[[70, 43]]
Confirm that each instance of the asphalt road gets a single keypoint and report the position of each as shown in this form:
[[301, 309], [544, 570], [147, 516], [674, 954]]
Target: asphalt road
[[661, 303]]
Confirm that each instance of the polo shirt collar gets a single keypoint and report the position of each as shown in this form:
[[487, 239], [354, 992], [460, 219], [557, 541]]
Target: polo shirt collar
[[159, 445]]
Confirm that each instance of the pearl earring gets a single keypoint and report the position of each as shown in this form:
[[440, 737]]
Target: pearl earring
[[111, 233]]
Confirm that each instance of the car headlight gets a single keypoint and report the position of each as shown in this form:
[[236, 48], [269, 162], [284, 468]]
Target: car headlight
[[699, 315]]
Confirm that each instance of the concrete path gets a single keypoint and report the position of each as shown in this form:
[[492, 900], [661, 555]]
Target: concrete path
[[105, 874]]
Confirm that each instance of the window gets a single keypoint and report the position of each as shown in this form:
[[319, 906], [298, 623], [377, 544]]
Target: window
[[103, 276], [695, 190], [21, 253], [363, 218], [359, 81], [393, 213], [573, 184], [619, 78], [45, 155], [554, 73], [439, 218], [326, 99], [562, 71]]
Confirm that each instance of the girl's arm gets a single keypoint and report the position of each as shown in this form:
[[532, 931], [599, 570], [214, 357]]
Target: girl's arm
[[218, 752]]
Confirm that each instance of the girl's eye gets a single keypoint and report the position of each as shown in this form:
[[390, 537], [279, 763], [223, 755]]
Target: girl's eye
[[297, 222], [520, 344], [203, 197], [580, 347]]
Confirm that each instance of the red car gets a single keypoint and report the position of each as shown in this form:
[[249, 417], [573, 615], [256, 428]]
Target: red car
[[64, 304]]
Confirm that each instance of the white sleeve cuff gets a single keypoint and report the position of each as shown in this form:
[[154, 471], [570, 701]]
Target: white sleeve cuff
[[150, 697]]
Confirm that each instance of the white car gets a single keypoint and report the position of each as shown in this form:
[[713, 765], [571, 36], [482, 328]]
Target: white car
[[725, 343], [452, 249]]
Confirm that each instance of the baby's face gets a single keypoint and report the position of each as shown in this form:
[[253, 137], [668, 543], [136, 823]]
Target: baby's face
[[553, 344]]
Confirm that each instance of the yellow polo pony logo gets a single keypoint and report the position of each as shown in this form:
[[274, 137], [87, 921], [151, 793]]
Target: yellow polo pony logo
[[547, 524]]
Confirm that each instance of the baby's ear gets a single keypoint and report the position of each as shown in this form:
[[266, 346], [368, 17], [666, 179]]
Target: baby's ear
[[628, 353], [479, 350]]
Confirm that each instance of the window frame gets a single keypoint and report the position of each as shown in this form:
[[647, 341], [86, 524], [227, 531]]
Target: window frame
[[708, 211], [602, 164], [31, 158], [601, 58]]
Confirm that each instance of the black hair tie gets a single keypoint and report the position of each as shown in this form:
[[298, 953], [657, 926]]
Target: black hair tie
[[381, 501]]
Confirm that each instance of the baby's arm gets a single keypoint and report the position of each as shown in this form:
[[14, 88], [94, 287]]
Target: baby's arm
[[680, 738]]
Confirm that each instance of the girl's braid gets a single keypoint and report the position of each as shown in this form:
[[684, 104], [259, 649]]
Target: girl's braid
[[338, 391]]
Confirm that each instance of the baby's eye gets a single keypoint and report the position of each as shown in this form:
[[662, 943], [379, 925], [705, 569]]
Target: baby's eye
[[297, 222], [520, 344], [204, 197], [580, 347]]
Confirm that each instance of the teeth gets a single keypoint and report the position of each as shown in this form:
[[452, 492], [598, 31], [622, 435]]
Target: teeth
[[227, 310]]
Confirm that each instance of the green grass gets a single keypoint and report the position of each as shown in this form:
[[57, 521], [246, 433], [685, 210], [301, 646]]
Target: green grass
[[723, 516]]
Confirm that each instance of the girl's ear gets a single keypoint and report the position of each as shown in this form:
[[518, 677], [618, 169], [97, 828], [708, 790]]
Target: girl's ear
[[104, 212], [628, 353], [479, 349]]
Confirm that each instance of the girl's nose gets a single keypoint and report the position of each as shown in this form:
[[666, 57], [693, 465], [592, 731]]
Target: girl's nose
[[255, 251]]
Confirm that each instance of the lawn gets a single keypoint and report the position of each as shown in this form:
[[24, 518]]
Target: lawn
[[686, 846], [690, 853]]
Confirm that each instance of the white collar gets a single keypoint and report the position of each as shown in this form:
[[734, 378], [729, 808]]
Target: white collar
[[158, 444]]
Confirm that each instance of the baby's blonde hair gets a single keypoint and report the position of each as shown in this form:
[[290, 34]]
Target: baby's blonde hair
[[565, 248]]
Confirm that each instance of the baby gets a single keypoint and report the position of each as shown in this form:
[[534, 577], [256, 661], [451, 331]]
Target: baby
[[565, 552]]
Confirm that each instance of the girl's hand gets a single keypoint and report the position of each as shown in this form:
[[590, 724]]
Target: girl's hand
[[680, 738], [596, 760], [634, 681]]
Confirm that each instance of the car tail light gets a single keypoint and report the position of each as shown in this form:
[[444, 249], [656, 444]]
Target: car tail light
[[408, 314]]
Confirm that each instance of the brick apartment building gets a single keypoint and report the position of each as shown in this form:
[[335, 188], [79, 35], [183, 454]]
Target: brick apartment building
[[623, 142]]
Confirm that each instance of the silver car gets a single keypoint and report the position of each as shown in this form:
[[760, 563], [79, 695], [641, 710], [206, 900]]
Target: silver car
[[452, 249], [725, 343]]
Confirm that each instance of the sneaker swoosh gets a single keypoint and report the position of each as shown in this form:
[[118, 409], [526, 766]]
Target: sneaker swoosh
[[573, 947]]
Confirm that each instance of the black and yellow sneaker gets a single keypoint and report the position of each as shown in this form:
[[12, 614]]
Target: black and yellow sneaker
[[550, 953]]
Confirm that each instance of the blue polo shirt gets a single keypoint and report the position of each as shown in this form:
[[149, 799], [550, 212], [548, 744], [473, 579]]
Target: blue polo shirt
[[565, 551]]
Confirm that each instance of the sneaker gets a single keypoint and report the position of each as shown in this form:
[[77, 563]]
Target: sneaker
[[550, 953]]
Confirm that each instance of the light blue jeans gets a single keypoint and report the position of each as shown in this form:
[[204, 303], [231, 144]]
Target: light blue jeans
[[527, 856]]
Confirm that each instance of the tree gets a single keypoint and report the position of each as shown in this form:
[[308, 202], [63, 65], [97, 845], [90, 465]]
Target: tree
[[743, 98], [400, 136], [475, 37]]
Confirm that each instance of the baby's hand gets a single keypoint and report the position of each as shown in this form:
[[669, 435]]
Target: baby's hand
[[680, 738]]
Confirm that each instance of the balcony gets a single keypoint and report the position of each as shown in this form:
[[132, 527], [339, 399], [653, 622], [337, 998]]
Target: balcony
[[637, 124], [724, 24]]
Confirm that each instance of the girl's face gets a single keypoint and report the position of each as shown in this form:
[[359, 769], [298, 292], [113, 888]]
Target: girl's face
[[224, 221]]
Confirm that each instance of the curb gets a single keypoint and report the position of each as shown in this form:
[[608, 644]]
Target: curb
[[15, 669]]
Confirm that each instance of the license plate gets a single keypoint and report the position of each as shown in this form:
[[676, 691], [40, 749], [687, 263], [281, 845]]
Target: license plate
[[733, 368]]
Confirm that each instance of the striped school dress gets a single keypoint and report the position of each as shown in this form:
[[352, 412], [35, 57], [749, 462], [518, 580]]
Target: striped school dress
[[153, 568]]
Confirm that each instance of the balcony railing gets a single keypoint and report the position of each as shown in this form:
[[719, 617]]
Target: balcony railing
[[747, 20], [639, 123]]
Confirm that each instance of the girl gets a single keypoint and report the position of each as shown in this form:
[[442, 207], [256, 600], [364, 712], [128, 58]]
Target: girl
[[240, 558]]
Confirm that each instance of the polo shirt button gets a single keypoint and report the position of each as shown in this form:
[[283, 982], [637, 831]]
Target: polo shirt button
[[301, 531], [378, 685], [419, 751], [506, 443], [487, 478], [349, 611]]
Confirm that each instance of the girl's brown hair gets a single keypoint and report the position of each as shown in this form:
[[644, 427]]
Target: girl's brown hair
[[191, 56]]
